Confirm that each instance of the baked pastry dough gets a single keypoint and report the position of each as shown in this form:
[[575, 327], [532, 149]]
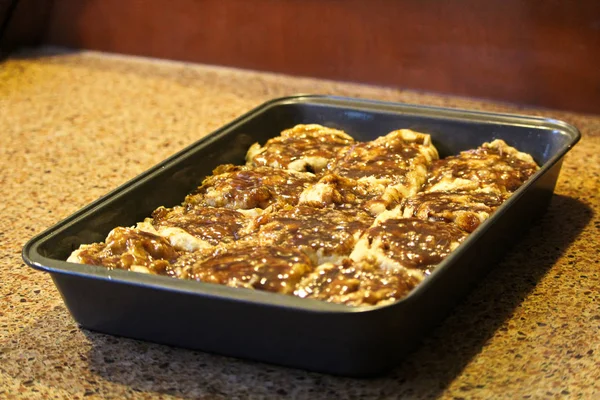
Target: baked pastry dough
[[412, 244], [243, 187], [318, 215], [324, 234], [244, 265], [466, 209], [356, 283], [493, 167], [303, 148]]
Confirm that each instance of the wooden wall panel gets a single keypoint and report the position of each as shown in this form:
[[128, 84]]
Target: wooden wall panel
[[536, 52]]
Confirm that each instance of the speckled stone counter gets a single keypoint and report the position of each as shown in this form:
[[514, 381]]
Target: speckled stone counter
[[75, 125]]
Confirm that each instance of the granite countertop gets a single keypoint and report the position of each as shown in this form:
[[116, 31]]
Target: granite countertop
[[75, 125]]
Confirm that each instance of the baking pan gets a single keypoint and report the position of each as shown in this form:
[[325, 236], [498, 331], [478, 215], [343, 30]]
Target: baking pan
[[275, 328]]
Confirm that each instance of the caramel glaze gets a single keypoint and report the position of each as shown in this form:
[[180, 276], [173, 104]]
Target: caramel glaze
[[486, 165], [242, 187], [463, 208], [326, 230], [269, 268], [416, 243], [213, 225], [382, 160], [356, 284], [300, 142], [126, 247]]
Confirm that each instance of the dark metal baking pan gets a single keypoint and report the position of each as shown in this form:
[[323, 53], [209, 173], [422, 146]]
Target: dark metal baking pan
[[280, 329]]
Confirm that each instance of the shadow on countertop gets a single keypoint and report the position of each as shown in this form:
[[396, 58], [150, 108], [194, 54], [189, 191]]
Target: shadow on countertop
[[425, 373]]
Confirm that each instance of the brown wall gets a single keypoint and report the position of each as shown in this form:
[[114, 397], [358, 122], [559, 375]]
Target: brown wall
[[527, 51]]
